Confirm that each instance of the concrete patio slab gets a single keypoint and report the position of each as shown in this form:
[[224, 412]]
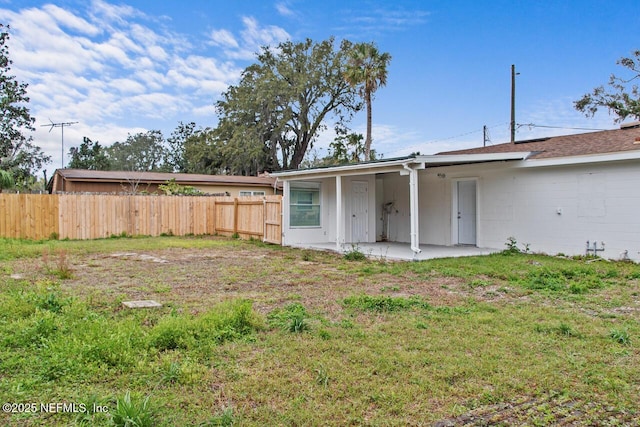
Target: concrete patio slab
[[402, 251]]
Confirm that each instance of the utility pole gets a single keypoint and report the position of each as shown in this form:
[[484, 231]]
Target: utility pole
[[485, 136], [61, 126], [513, 103]]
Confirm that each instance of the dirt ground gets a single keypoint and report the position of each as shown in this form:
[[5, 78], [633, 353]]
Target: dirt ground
[[194, 279]]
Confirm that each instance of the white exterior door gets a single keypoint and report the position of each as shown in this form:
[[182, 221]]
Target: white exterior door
[[466, 212], [359, 211]]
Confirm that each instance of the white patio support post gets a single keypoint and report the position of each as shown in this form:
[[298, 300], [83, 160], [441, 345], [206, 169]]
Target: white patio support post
[[339, 216], [413, 209], [286, 190]]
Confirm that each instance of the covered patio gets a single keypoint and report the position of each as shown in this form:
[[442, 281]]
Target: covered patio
[[404, 208], [401, 251]]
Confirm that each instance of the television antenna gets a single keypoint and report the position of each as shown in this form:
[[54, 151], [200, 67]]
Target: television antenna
[[60, 125]]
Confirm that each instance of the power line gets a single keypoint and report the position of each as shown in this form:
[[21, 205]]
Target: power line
[[465, 134], [532, 125]]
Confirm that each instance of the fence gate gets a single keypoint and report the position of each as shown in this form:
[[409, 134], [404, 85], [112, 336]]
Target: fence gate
[[273, 220]]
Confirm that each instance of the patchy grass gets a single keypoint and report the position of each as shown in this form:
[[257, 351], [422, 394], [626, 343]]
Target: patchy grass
[[252, 334]]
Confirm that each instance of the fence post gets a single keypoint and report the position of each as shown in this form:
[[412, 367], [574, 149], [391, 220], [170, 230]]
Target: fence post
[[235, 215]]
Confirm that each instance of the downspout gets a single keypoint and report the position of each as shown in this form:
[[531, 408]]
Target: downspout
[[413, 208]]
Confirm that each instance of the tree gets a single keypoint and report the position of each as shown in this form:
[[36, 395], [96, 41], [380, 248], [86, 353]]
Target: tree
[[349, 149], [6, 180], [272, 117], [621, 100], [367, 70], [140, 152], [18, 154], [201, 154], [175, 153], [90, 155]]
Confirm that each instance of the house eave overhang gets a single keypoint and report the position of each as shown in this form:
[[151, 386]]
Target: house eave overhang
[[461, 159], [400, 165], [578, 160], [353, 169]]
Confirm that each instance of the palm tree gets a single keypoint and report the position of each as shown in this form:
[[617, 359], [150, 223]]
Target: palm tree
[[6, 180], [367, 70]]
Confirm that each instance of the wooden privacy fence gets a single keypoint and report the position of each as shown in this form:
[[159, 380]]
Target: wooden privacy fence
[[92, 216]]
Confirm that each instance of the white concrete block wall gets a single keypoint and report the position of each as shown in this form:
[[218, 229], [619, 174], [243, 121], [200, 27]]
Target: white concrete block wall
[[597, 202]]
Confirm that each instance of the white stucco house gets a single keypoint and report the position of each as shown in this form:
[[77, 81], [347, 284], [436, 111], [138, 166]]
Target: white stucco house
[[553, 194]]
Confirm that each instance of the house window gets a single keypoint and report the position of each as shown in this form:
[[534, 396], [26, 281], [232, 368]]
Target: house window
[[304, 204], [251, 193]]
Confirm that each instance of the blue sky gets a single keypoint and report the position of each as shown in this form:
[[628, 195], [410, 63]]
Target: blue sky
[[125, 67]]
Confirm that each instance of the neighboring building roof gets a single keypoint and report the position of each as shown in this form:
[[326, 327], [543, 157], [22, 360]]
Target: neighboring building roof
[[162, 177], [602, 142]]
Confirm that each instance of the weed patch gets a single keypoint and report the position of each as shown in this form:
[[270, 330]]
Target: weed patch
[[621, 336], [384, 303], [292, 318], [354, 254], [132, 412], [228, 321]]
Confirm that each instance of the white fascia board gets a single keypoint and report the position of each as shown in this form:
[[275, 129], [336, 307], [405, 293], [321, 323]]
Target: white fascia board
[[577, 160], [357, 169], [419, 162], [438, 159]]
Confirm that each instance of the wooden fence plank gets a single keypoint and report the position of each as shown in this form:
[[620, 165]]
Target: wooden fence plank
[[91, 216]]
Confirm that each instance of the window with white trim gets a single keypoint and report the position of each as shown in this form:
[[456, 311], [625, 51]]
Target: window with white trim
[[304, 204]]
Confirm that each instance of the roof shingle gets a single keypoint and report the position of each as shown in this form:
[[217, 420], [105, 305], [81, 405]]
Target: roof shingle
[[601, 142], [162, 177]]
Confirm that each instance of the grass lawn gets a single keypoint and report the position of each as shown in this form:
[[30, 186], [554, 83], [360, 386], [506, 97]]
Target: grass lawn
[[254, 334]]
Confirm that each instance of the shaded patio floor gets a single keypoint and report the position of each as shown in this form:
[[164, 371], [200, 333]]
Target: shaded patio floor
[[402, 251]]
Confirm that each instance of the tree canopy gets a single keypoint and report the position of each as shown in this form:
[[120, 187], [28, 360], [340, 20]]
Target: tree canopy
[[272, 117], [622, 97], [89, 155], [18, 155], [140, 152]]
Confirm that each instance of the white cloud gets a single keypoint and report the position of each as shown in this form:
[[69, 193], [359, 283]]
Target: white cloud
[[255, 35], [223, 38], [112, 68], [363, 23], [283, 9], [107, 13], [127, 86], [71, 21], [252, 38], [206, 111]]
